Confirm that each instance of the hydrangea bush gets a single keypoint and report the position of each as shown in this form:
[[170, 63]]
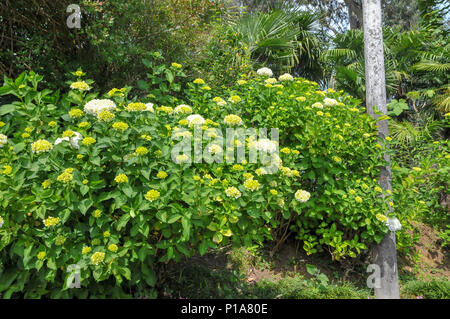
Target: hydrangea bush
[[89, 183]]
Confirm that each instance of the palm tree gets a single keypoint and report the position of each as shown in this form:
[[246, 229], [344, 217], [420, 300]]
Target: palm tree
[[283, 40], [415, 60]]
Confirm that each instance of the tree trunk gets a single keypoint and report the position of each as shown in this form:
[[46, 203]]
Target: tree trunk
[[355, 15], [385, 254]]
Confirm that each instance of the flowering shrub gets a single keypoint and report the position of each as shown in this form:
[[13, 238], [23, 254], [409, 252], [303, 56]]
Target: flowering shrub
[[331, 145], [111, 198]]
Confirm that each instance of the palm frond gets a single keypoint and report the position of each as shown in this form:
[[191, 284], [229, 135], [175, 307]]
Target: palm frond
[[431, 66]]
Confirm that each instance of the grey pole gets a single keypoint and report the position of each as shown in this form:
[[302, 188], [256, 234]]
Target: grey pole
[[385, 254]]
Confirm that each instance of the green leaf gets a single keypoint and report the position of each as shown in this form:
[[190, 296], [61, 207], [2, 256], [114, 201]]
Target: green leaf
[[143, 85], [84, 205], [174, 218], [204, 245], [124, 271], [169, 76], [18, 147], [123, 221], [7, 108]]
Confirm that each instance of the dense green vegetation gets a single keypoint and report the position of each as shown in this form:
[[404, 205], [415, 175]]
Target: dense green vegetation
[[90, 117]]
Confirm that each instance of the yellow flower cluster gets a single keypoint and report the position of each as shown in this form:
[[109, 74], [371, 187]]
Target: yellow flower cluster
[[136, 106], [7, 169], [141, 150], [182, 158], [86, 250], [378, 189], [84, 124], [106, 116], [80, 85], [146, 137], [60, 240], [302, 196], [66, 176], [234, 99], [46, 183], [121, 178], [251, 185], [113, 248], [183, 109], [76, 113], [51, 221], [176, 65], [166, 109], [289, 172], [152, 195], [219, 101], [161, 174], [232, 119], [120, 126], [88, 141], [233, 192], [97, 213], [41, 146], [97, 257], [120, 92], [270, 81], [260, 171], [199, 81], [68, 133], [41, 255]]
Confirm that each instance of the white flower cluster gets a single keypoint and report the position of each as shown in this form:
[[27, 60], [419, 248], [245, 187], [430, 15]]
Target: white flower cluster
[[286, 77], [233, 192], [73, 140], [182, 132], [95, 107], [183, 109], [272, 164], [195, 119], [3, 140], [330, 102], [1, 222], [393, 224], [149, 107], [266, 145], [302, 196], [264, 72], [318, 105], [215, 149]]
